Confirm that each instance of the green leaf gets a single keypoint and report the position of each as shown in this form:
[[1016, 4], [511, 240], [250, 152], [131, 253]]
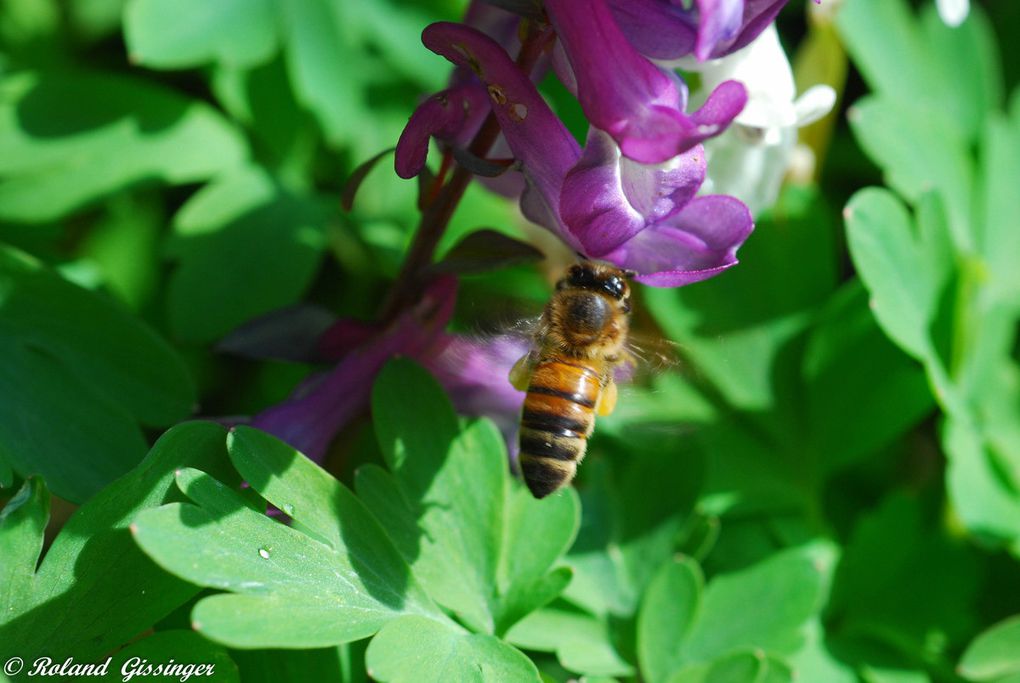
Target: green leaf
[[949, 74], [95, 19], [124, 246], [324, 66], [442, 653], [870, 674], [305, 492], [581, 641], [966, 58], [985, 502], [79, 360], [56, 157], [669, 610], [171, 34], [901, 272], [816, 662], [634, 510], [766, 606], [846, 358], [536, 535], [287, 589], [357, 177], [246, 247], [919, 152], [177, 648], [997, 243], [687, 634], [272, 666], [447, 478], [395, 29], [263, 100], [994, 653], [885, 589], [741, 667], [94, 589], [22, 523], [950, 314]]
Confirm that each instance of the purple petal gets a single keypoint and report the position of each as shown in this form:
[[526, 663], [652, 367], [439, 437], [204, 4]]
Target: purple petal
[[719, 22], [493, 21], [758, 14], [664, 30], [452, 115], [607, 199], [475, 373], [722, 106], [658, 191], [627, 96], [714, 116], [698, 242], [538, 139], [343, 337], [657, 29], [310, 419]]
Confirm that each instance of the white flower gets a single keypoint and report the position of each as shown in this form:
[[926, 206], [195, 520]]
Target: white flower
[[751, 158], [953, 12]]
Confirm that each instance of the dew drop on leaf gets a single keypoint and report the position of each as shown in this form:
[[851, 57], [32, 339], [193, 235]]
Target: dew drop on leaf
[[288, 509], [264, 553]]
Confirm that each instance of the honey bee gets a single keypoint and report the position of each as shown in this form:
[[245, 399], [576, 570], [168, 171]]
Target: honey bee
[[581, 339]]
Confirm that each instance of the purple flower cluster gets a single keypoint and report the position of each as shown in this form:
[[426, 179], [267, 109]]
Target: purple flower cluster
[[629, 196]]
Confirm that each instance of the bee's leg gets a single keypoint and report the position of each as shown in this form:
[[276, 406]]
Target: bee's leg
[[520, 373], [607, 399]]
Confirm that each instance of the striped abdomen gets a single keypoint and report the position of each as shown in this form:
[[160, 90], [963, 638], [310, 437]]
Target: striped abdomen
[[558, 418]]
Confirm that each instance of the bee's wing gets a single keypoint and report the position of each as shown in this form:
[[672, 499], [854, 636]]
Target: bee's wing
[[529, 328], [648, 356], [654, 394]]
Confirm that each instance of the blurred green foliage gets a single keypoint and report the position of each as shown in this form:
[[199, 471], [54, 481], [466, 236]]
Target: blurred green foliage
[[828, 490]]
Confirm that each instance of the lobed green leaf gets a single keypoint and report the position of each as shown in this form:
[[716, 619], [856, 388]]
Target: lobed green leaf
[[78, 360]]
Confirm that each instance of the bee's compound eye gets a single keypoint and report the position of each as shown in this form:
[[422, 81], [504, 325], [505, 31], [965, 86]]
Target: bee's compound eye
[[614, 286]]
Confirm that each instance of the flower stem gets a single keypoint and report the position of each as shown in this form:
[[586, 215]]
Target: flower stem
[[436, 216]]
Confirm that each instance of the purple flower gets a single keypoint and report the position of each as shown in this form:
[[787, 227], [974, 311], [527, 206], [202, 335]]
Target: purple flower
[[452, 116], [320, 408], [640, 105], [644, 218], [472, 370], [665, 31]]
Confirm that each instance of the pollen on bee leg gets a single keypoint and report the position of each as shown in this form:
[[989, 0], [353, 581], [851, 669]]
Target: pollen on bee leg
[[607, 400], [520, 373]]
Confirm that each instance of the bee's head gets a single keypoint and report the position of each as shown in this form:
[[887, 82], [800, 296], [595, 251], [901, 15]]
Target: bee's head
[[601, 278]]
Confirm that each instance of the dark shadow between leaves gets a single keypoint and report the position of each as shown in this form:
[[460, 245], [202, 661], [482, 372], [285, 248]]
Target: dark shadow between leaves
[[99, 100]]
